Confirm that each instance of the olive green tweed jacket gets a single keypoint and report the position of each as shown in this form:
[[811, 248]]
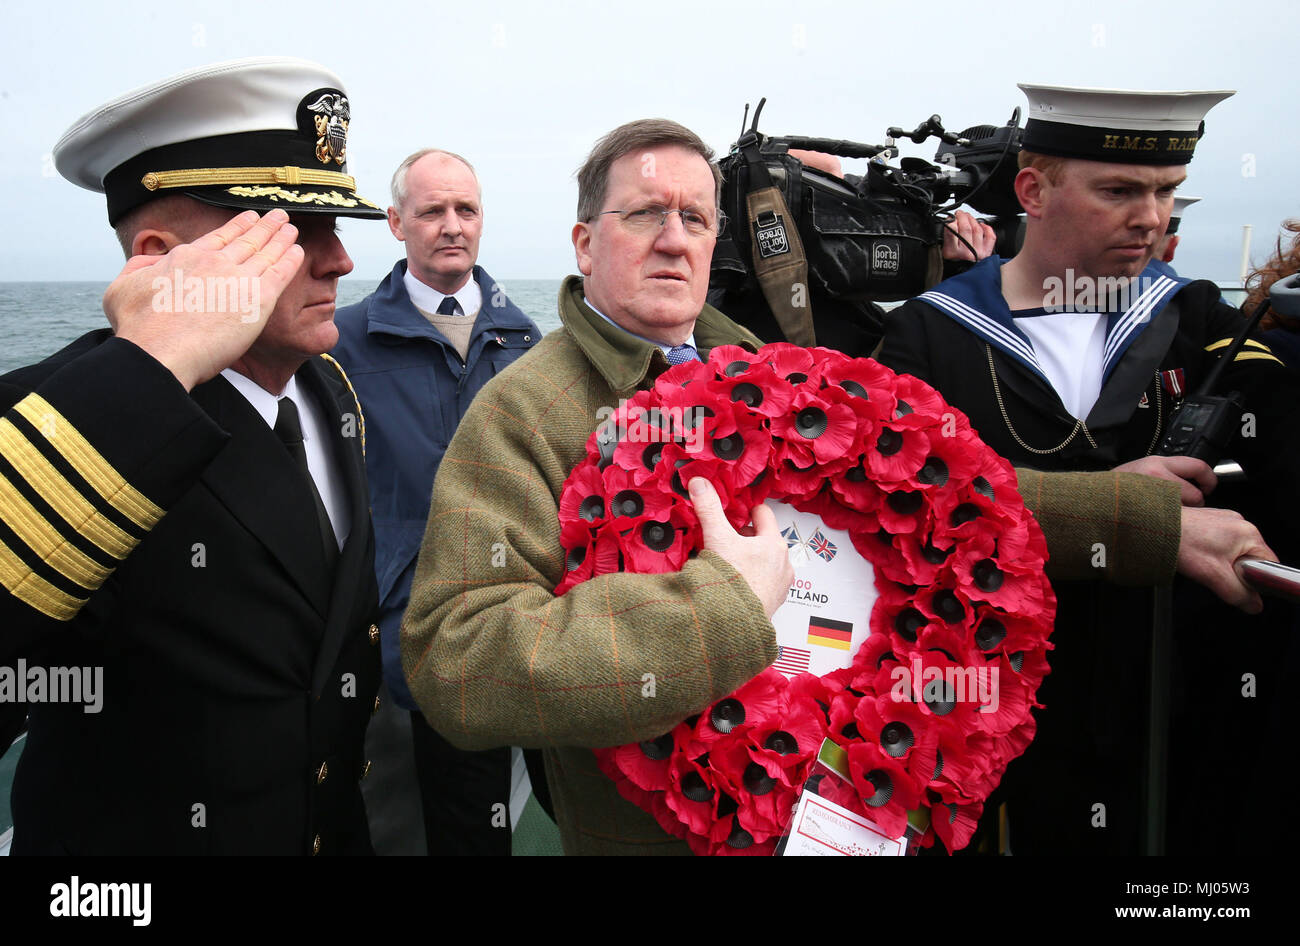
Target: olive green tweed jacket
[[494, 658]]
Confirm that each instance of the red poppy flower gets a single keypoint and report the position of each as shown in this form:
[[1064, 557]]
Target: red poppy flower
[[793, 483], [646, 763], [659, 545], [896, 455], [903, 731], [584, 554], [905, 510], [868, 381], [797, 366], [693, 794], [685, 374], [887, 789], [998, 572], [754, 704], [630, 502], [732, 359], [814, 429], [920, 406], [756, 386], [642, 442], [955, 824], [583, 496], [847, 518], [828, 785]]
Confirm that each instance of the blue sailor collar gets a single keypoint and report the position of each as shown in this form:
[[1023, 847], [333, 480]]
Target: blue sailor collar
[[975, 300]]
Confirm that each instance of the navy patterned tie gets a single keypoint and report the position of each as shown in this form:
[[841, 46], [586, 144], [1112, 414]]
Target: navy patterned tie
[[447, 306], [680, 354]]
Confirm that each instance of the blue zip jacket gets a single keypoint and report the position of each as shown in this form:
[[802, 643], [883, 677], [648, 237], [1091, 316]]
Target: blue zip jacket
[[414, 391]]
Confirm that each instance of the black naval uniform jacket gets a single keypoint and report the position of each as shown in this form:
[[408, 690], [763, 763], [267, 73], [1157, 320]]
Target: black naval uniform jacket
[[1091, 731], [168, 539]]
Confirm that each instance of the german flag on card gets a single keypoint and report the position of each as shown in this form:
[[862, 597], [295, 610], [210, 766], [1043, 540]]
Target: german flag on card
[[828, 633]]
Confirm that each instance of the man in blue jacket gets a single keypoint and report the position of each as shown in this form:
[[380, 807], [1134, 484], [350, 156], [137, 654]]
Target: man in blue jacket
[[418, 349]]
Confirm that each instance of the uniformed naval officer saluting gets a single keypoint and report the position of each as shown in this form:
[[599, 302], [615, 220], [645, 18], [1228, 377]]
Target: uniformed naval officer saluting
[[1065, 360], [184, 496]]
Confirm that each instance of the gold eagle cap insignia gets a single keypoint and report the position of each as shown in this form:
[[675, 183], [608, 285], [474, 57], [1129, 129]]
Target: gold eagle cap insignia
[[332, 114]]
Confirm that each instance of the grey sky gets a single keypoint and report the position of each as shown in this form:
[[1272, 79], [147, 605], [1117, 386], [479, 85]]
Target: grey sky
[[523, 90]]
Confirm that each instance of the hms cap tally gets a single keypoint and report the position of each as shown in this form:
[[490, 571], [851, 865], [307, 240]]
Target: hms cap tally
[[1116, 125], [250, 134]]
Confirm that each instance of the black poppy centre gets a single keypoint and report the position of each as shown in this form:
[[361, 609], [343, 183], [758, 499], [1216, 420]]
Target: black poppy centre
[[811, 422], [628, 502], [658, 536]]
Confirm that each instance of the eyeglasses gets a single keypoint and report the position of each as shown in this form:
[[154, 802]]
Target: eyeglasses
[[645, 219]]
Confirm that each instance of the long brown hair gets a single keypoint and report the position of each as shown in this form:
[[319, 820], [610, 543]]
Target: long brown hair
[[1283, 263]]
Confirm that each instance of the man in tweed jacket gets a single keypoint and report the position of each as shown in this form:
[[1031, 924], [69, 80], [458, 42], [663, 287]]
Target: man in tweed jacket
[[494, 658]]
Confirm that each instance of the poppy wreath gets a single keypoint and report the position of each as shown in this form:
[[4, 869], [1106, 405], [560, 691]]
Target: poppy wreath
[[958, 563]]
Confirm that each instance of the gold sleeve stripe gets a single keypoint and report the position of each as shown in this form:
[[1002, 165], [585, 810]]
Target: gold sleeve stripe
[[1253, 355], [361, 417], [43, 539], [85, 459], [63, 498], [1225, 342], [35, 591]]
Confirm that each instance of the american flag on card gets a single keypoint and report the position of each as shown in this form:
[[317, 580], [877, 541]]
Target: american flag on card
[[792, 661]]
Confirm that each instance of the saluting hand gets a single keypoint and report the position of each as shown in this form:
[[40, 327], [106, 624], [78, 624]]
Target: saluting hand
[[260, 253]]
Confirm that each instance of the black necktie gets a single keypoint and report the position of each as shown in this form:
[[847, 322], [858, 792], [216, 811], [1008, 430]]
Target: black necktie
[[447, 306], [289, 429]]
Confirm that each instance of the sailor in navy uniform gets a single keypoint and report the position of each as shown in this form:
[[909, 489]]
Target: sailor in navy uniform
[[1063, 361], [185, 503], [1167, 245]]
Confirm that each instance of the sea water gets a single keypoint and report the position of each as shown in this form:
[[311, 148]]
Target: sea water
[[39, 318]]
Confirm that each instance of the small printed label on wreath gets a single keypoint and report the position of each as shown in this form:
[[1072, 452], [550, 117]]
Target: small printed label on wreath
[[821, 828], [825, 616]]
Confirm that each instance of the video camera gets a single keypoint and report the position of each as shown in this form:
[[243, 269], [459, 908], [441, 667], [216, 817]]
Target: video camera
[[806, 254]]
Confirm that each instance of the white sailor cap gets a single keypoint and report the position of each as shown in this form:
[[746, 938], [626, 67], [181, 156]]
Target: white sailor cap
[[1181, 203], [247, 134], [1116, 125]]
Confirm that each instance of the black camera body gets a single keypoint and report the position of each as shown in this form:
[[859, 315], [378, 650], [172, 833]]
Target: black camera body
[[867, 239]]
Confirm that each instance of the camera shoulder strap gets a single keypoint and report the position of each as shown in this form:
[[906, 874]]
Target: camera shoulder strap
[[780, 264]]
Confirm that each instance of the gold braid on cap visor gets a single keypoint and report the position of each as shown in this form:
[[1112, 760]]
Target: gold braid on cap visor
[[205, 177]]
